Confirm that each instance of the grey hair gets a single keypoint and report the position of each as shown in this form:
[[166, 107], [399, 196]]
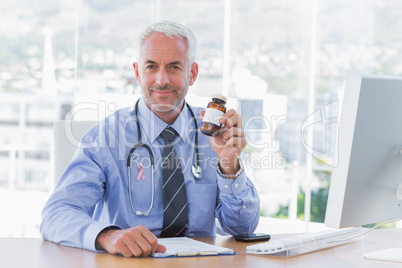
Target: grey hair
[[173, 30]]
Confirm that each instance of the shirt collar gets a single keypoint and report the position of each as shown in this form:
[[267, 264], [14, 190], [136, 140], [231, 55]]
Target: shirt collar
[[152, 126]]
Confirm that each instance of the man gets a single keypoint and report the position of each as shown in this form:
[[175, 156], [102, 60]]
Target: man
[[100, 205]]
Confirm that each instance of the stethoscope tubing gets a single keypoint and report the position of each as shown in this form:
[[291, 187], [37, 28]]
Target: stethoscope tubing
[[196, 169]]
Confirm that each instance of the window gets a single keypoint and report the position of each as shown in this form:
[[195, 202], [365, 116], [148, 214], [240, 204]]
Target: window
[[282, 63]]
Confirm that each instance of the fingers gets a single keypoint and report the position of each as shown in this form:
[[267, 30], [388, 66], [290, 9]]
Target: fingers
[[146, 240], [202, 113], [238, 142], [232, 132], [160, 248], [231, 119], [136, 241]]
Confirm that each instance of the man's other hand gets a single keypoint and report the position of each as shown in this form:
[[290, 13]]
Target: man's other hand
[[136, 241]]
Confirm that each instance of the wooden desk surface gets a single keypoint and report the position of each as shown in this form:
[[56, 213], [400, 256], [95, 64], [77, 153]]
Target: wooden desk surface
[[34, 252]]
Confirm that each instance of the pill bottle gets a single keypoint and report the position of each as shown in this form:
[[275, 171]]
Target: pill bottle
[[216, 108]]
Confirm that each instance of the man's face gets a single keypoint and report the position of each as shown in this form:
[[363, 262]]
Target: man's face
[[164, 72]]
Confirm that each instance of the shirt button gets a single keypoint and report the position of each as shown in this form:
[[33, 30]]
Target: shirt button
[[226, 186], [236, 185], [244, 207]]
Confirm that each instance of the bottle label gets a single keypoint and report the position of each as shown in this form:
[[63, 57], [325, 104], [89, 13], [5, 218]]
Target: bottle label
[[212, 116]]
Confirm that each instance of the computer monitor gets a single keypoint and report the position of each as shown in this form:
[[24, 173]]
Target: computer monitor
[[366, 185]]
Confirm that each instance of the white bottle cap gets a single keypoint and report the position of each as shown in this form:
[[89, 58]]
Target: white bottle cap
[[218, 96]]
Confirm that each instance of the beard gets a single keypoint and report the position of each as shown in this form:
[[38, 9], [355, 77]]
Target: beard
[[160, 107]]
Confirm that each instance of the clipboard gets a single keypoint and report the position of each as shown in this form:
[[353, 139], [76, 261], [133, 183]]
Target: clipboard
[[187, 247]]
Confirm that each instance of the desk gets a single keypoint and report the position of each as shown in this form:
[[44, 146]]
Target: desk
[[36, 253]]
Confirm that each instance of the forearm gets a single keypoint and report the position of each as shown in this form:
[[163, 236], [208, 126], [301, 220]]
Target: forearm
[[70, 227], [67, 216], [239, 209]]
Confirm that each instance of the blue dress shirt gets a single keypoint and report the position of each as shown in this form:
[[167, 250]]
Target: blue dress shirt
[[93, 192]]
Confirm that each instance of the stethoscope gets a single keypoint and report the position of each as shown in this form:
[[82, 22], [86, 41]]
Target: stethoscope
[[195, 168]]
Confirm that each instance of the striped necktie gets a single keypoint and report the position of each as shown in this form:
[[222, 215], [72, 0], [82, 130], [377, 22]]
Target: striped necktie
[[175, 218]]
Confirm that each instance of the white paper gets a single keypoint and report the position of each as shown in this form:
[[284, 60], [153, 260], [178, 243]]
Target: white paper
[[212, 116], [390, 254], [184, 246]]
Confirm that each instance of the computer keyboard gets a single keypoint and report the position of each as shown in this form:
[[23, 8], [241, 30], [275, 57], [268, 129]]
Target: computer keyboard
[[305, 243]]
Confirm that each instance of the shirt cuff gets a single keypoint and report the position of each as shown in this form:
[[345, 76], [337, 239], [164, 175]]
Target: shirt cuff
[[230, 176], [92, 233], [232, 186]]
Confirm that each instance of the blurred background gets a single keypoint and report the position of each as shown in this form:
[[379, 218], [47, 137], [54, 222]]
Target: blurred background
[[281, 63]]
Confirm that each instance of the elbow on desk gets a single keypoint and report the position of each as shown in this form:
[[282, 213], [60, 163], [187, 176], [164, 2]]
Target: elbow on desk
[[246, 225]]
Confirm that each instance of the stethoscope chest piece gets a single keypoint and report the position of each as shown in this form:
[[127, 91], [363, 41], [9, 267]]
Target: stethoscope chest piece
[[197, 171]]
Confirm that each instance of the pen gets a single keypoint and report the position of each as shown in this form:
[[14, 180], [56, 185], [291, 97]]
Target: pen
[[192, 253]]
